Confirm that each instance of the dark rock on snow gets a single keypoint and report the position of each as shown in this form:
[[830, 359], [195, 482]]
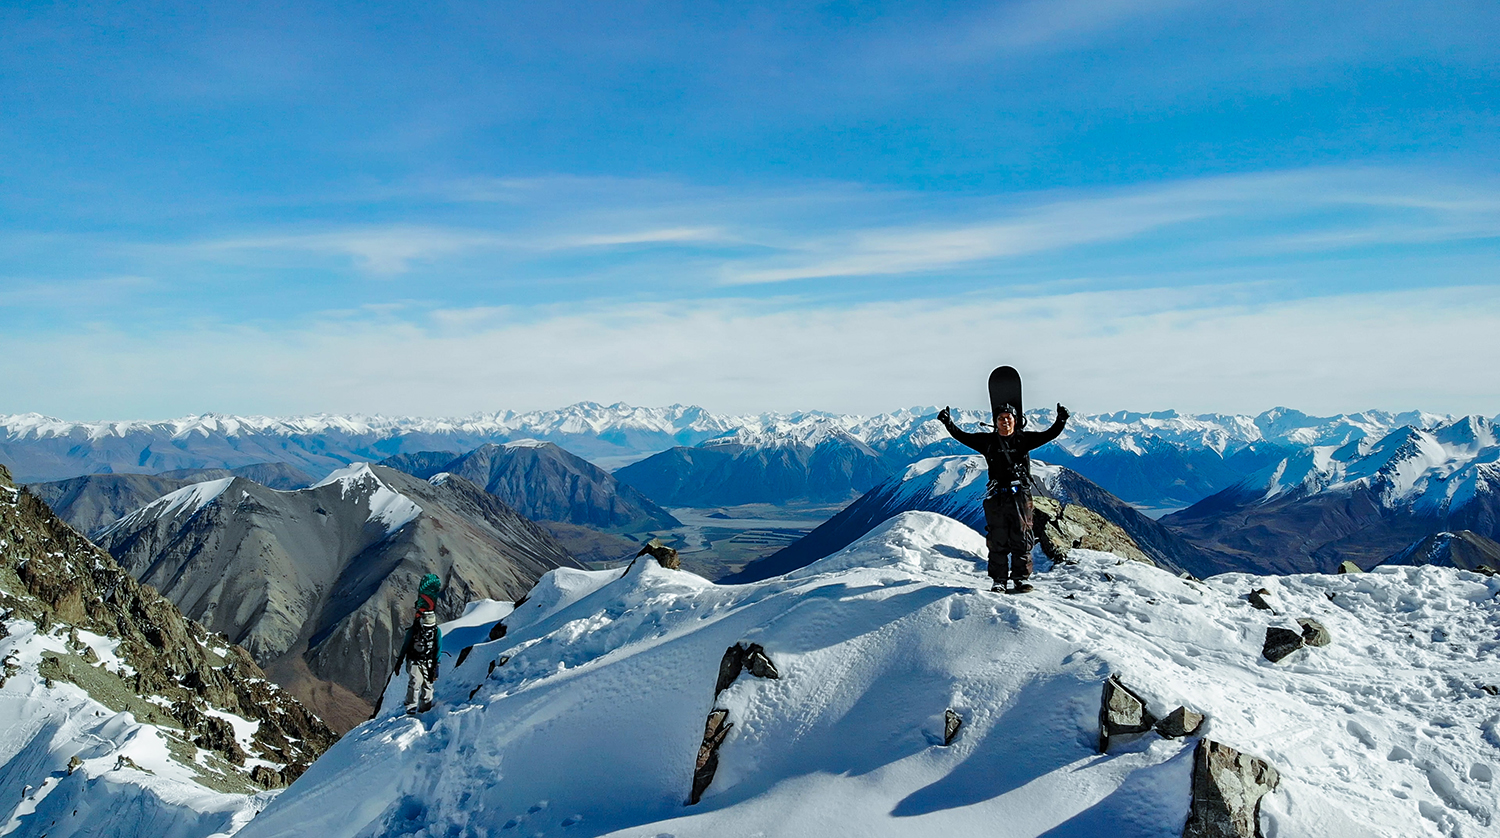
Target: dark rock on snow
[[1227, 791], [715, 728], [951, 724], [740, 657], [1349, 567], [1280, 642], [1258, 599], [1179, 723]]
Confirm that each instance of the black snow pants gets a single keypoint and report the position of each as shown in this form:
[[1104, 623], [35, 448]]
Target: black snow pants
[[1007, 517]]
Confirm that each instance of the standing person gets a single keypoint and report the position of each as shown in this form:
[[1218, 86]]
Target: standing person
[[1007, 499], [424, 641]]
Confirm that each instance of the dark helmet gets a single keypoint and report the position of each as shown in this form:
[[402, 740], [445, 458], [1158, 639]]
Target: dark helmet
[[1011, 409]]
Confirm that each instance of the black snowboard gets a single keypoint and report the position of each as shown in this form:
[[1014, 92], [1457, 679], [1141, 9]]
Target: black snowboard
[[1005, 388]]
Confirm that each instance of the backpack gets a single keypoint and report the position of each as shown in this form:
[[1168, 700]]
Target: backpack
[[423, 641]]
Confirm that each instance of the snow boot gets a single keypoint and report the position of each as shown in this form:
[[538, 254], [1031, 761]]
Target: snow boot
[[1022, 587]]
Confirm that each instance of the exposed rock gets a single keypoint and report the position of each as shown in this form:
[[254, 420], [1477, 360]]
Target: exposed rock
[[1280, 642], [951, 724], [1060, 526], [1179, 723], [664, 555], [74, 763], [218, 735], [740, 657], [715, 728], [1313, 632], [1227, 791], [759, 663], [498, 630], [1258, 599], [51, 575], [266, 777], [1347, 566], [1121, 713], [729, 667]]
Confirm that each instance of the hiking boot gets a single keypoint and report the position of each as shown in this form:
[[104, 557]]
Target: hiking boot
[[997, 588], [1023, 587]]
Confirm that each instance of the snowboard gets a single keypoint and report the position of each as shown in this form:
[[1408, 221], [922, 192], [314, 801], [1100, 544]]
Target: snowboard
[[1005, 388]]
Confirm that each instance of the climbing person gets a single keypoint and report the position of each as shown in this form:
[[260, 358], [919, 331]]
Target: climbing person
[[424, 641], [1007, 500]]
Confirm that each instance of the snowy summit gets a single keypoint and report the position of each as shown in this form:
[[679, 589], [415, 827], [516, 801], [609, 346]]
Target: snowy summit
[[589, 716]]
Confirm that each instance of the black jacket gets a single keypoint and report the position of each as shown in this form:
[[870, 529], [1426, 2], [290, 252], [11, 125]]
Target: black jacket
[[1008, 457], [414, 638]]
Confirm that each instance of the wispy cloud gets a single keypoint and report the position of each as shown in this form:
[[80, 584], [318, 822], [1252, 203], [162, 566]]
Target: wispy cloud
[[1202, 348]]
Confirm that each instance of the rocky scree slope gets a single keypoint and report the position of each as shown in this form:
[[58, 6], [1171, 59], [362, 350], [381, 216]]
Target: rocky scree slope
[[1362, 501], [92, 502], [118, 714], [318, 583], [1391, 729], [1463, 549]]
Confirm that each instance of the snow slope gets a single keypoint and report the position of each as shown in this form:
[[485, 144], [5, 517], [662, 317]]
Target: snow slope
[[592, 724], [127, 782]]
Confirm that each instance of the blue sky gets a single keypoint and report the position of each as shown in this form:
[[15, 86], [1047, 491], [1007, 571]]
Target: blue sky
[[441, 208]]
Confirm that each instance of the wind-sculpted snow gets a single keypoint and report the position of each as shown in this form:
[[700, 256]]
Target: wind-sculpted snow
[[591, 724]]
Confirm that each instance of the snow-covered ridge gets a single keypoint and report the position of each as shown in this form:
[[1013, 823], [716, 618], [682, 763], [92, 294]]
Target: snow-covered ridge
[[388, 507], [185, 501], [1436, 470], [1388, 731]]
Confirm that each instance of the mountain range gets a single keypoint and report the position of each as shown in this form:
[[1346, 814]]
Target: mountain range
[[1161, 460], [94, 501], [1362, 500], [317, 583]]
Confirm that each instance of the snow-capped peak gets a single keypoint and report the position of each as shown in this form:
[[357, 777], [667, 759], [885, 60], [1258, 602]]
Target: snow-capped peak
[[388, 507], [185, 501]]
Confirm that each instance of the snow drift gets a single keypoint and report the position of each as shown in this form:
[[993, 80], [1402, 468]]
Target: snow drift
[[586, 717]]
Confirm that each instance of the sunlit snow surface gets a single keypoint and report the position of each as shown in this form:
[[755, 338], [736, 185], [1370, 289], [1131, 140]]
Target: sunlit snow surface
[[388, 507], [592, 726]]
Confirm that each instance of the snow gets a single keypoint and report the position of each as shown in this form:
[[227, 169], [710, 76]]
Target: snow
[[592, 724], [389, 508], [185, 501], [42, 728], [526, 443]]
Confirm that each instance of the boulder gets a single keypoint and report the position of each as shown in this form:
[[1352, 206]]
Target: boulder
[[1258, 599], [1349, 567], [1227, 790], [715, 728], [1179, 723], [759, 663], [1280, 642], [1121, 713], [664, 555], [951, 723], [1313, 632]]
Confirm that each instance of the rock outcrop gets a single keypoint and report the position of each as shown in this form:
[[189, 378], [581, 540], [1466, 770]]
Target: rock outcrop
[[1179, 723], [1227, 790], [737, 659], [1061, 526], [1280, 642], [169, 670]]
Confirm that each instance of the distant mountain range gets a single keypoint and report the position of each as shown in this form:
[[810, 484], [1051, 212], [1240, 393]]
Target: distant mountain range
[[545, 483], [318, 583], [1161, 460], [93, 502], [1363, 499]]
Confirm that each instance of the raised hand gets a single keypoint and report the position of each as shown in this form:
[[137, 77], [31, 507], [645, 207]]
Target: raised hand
[[1062, 412], [945, 416]]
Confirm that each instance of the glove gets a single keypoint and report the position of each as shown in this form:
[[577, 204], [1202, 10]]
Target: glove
[[1062, 412], [397, 670], [944, 416]]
